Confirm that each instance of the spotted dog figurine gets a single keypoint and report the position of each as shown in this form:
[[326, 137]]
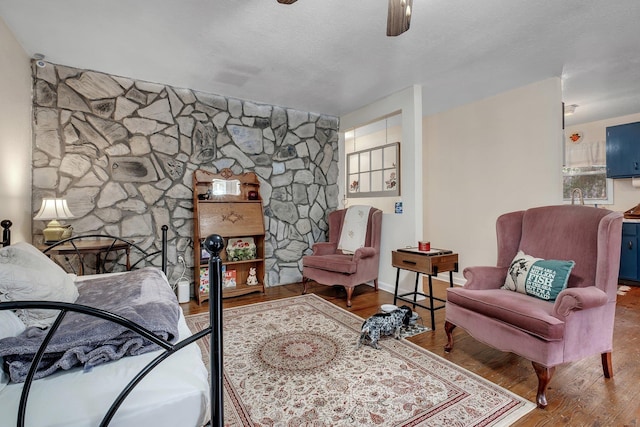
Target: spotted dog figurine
[[381, 324]]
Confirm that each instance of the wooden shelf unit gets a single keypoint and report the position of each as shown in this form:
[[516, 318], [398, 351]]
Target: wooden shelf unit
[[230, 216]]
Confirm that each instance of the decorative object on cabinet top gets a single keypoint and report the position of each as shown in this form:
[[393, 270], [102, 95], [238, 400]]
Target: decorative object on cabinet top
[[225, 186], [576, 137]]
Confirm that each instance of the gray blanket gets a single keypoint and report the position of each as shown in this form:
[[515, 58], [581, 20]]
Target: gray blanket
[[142, 296]]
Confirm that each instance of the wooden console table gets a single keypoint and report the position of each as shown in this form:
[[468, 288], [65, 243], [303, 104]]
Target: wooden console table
[[423, 262], [96, 247]]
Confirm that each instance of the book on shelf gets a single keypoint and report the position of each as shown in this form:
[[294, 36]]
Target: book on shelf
[[204, 280], [229, 279]]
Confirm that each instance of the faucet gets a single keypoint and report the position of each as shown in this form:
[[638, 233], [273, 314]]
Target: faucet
[[580, 197]]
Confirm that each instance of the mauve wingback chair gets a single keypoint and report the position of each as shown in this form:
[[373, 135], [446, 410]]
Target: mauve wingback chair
[[329, 266], [579, 323]]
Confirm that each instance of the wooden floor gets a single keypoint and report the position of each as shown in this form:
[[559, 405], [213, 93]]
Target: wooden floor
[[578, 394]]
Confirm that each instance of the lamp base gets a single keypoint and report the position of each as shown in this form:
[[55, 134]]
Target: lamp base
[[53, 232]]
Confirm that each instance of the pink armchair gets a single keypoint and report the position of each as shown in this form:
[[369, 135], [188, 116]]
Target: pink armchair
[[330, 266], [579, 323]]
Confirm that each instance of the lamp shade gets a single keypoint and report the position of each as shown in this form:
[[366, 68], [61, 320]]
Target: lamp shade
[[53, 209]]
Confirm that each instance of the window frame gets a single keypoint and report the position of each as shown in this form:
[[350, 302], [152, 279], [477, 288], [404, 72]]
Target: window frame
[[389, 183], [584, 171]]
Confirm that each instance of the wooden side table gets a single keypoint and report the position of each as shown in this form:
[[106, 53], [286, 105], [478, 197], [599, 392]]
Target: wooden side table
[[423, 262], [95, 247]]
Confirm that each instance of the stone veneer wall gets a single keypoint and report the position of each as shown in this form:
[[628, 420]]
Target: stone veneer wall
[[122, 152]]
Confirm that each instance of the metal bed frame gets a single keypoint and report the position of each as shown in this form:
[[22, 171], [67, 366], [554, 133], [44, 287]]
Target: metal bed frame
[[146, 256], [214, 244]]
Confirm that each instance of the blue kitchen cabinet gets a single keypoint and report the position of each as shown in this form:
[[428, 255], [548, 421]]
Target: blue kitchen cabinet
[[629, 252], [623, 150]]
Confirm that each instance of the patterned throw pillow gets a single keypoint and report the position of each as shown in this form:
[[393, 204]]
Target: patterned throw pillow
[[537, 277]]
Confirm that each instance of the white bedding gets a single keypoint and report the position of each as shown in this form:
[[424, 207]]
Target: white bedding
[[176, 393]]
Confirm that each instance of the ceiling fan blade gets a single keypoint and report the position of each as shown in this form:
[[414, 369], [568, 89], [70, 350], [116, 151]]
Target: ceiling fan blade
[[398, 17], [287, 1]]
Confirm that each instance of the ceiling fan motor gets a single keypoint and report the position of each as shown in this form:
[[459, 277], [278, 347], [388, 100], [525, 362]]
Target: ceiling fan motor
[[398, 17]]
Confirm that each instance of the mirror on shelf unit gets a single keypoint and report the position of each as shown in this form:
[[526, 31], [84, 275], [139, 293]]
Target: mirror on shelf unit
[[224, 187]]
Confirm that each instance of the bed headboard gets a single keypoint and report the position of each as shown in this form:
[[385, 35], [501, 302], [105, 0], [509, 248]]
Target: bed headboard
[[6, 232]]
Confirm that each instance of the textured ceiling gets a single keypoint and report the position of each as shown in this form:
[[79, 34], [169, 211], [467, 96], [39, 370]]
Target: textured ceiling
[[333, 56]]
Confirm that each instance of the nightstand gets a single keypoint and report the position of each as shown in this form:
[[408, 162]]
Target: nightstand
[[430, 263], [100, 248]]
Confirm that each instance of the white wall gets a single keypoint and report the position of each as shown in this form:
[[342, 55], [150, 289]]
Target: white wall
[[487, 158], [625, 196], [15, 135], [398, 230]]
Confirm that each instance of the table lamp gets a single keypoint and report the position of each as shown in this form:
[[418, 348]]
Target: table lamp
[[53, 209]]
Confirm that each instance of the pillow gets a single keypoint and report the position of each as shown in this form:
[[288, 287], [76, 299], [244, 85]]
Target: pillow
[[26, 274], [10, 326], [537, 277]]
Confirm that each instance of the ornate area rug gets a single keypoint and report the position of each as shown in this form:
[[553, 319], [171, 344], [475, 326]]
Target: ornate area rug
[[294, 362]]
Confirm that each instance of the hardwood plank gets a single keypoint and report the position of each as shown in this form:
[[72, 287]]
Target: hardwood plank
[[578, 394]]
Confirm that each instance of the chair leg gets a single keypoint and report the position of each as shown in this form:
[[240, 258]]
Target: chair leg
[[305, 280], [544, 376], [375, 284], [349, 293], [448, 329], [607, 366]]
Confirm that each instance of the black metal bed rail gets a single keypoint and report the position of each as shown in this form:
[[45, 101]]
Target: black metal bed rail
[[6, 232], [144, 255], [214, 244], [169, 349]]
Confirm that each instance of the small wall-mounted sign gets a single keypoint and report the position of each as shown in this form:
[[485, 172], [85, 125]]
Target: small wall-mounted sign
[[398, 207]]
